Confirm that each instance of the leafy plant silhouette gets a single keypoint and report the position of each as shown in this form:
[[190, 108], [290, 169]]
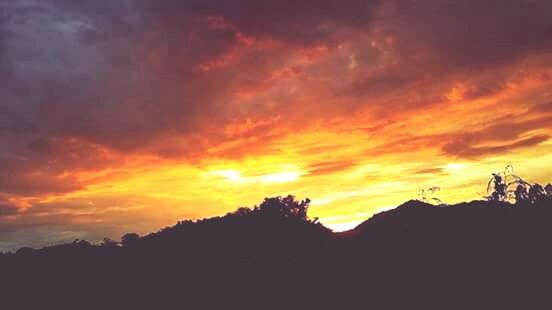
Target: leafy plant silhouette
[[427, 195], [509, 187]]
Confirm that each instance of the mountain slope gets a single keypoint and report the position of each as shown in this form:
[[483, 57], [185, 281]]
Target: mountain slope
[[478, 255]]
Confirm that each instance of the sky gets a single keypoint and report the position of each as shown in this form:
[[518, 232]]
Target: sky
[[129, 115]]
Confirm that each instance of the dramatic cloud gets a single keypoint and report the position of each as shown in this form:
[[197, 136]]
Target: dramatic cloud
[[499, 136], [158, 107], [465, 150], [469, 34], [6, 209], [301, 23], [330, 167]]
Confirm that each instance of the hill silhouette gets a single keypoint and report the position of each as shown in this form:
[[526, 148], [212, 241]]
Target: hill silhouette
[[476, 255]]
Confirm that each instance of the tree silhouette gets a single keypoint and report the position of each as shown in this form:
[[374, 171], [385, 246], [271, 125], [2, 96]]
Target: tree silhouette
[[497, 188], [521, 193], [129, 239], [506, 186], [535, 193], [241, 211], [548, 190], [286, 207], [108, 242]]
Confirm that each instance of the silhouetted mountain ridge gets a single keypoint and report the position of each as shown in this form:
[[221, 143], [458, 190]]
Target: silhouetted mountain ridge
[[476, 255]]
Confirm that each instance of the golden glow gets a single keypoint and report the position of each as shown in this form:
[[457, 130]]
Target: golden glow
[[455, 167], [351, 165], [237, 178]]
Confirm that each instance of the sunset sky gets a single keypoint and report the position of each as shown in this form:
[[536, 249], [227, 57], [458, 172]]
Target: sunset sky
[[129, 115]]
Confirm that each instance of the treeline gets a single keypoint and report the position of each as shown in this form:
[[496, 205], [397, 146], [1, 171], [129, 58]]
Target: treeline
[[488, 254]]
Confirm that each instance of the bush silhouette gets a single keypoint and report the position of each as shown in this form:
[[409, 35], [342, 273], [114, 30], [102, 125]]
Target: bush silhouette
[[129, 239], [548, 190], [287, 207], [109, 243], [507, 187]]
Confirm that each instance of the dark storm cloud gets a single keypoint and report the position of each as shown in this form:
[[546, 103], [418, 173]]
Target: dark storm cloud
[[507, 130], [35, 166], [12, 122], [501, 137], [542, 108], [23, 177], [103, 72], [300, 22], [462, 149], [123, 72], [119, 74], [126, 74], [7, 209], [431, 45], [38, 183], [379, 84], [470, 33]]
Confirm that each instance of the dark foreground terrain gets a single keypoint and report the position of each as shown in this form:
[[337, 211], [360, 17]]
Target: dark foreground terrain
[[478, 255]]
